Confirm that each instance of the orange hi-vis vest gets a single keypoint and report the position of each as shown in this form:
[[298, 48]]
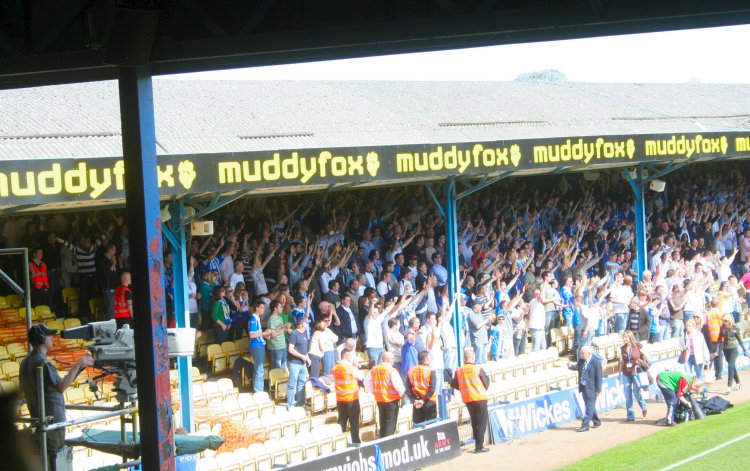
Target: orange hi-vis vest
[[347, 386], [121, 302], [39, 278], [714, 325], [419, 377], [382, 387], [470, 384]]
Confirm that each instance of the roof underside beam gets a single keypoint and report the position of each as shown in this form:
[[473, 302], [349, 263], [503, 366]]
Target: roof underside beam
[[484, 183]]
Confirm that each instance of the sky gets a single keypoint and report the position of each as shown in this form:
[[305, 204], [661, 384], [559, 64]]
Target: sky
[[712, 55]]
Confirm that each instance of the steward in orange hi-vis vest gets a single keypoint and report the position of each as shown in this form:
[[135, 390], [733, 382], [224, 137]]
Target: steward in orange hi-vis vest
[[348, 379], [423, 387], [472, 382], [386, 385], [347, 386], [382, 386], [469, 384]]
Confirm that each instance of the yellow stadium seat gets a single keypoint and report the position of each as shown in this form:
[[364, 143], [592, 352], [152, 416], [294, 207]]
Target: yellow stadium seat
[[98, 308], [227, 389], [69, 293], [227, 461], [14, 300], [16, 350], [198, 377], [22, 313], [55, 324], [279, 379], [216, 358], [7, 387], [232, 353], [242, 345], [44, 313], [10, 370], [75, 396], [72, 322], [4, 355], [207, 464], [293, 447], [73, 307]]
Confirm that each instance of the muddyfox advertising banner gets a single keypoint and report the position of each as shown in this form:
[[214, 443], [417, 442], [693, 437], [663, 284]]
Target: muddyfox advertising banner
[[57, 179], [416, 449]]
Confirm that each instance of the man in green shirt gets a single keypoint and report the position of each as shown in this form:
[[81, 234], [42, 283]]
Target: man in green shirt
[[674, 385], [277, 343]]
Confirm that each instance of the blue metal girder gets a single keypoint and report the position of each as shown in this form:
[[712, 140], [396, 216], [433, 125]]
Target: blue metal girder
[[181, 310], [149, 307], [216, 203], [638, 186], [484, 183], [435, 200], [672, 167], [451, 236]]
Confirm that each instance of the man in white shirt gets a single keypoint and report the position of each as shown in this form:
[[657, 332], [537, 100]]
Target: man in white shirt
[[620, 297], [237, 276], [537, 319], [329, 273], [383, 287], [370, 279], [227, 264]]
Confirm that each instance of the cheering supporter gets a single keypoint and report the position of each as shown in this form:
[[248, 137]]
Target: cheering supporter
[[279, 329], [298, 362], [258, 342], [221, 316], [85, 257]]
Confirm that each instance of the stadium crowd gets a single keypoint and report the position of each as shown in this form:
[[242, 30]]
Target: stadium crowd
[[306, 277]]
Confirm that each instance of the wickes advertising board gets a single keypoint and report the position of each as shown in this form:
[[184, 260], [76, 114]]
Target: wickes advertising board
[[60, 180]]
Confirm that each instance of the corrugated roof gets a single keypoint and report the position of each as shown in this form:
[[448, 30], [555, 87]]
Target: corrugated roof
[[82, 120]]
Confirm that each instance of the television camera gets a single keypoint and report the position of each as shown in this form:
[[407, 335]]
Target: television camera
[[113, 352]]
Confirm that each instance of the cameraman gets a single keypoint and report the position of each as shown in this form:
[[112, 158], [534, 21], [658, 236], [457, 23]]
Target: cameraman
[[40, 338]]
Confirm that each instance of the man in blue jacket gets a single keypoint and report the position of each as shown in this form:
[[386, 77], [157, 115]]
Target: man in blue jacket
[[589, 385]]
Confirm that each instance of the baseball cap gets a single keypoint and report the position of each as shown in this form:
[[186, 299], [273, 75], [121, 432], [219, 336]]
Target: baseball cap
[[302, 320], [37, 330]]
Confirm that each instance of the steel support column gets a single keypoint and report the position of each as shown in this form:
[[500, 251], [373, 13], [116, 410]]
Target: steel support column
[[639, 185], [181, 310], [451, 255], [150, 320]]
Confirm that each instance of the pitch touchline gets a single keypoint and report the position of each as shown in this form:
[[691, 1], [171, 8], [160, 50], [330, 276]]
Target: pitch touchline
[[707, 452]]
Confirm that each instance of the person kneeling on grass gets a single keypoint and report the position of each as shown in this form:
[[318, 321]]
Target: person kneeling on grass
[[673, 386]]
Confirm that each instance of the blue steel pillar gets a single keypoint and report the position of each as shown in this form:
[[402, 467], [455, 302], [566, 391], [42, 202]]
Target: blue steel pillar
[[182, 312], [149, 307], [639, 186], [451, 254]]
